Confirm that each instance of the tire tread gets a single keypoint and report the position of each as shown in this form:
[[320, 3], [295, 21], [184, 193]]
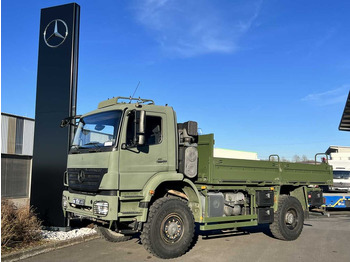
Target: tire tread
[[276, 227], [106, 235], [146, 232]]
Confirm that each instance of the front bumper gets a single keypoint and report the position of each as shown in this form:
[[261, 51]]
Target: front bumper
[[342, 188], [87, 210]]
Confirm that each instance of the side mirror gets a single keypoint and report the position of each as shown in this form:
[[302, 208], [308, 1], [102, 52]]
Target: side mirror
[[140, 127], [67, 121]]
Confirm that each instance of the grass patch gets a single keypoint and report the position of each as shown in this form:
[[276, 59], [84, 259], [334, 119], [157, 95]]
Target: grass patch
[[19, 227]]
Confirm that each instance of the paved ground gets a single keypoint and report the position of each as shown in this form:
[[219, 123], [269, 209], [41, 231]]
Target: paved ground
[[323, 239]]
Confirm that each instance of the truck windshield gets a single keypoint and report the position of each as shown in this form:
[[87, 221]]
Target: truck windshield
[[98, 130], [341, 174]]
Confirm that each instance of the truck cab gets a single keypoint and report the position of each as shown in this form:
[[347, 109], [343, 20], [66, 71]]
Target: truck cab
[[340, 161], [110, 157]]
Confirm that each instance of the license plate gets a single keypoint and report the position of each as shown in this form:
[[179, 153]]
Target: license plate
[[79, 201]]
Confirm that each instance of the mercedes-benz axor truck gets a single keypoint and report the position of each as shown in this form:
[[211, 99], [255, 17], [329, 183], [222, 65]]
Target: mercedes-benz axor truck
[[133, 168]]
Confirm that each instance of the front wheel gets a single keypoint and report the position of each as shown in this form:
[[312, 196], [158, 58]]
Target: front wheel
[[169, 230], [289, 219]]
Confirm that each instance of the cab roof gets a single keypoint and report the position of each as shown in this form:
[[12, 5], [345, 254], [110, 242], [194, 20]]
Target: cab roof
[[121, 100]]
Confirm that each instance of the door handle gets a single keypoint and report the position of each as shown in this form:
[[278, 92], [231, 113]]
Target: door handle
[[160, 160]]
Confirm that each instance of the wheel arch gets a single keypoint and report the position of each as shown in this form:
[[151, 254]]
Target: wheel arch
[[299, 192], [163, 183]]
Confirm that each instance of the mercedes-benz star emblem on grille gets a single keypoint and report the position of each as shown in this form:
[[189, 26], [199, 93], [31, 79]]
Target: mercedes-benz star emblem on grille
[[81, 176], [55, 33]]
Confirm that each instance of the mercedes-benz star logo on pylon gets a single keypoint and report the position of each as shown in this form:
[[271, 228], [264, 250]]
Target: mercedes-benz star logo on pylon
[[55, 33]]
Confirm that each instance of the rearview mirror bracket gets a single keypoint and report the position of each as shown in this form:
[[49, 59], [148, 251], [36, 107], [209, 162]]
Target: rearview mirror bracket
[[67, 121]]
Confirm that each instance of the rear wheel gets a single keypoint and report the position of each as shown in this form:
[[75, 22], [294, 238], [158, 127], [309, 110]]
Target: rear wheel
[[169, 230], [289, 219], [111, 235]]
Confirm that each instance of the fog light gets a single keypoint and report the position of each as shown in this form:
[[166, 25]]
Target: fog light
[[101, 208], [64, 202]]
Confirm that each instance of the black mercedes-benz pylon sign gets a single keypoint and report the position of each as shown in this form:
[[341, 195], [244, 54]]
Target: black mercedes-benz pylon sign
[[55, 100]]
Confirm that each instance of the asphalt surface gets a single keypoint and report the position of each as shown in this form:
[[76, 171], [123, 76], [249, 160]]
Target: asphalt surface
[[323, 239]]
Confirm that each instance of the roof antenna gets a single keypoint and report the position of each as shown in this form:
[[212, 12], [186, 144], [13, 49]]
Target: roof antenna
[[135, 90]]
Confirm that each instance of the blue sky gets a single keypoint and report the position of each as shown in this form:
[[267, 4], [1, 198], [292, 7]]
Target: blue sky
[[263, 76]]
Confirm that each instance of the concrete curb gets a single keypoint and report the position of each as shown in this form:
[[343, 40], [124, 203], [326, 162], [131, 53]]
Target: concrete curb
[[46, 248]]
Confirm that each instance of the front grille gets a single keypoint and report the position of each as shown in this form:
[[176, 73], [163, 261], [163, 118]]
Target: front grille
[[85, 179], [341, 184]]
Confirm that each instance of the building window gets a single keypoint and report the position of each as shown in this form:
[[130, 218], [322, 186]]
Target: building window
[[19, 136]]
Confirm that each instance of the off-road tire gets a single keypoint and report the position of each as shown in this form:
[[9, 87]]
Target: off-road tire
[[288, 220], [111, 235], [159, 236]]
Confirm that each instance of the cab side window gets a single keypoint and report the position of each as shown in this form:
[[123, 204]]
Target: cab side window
[[153, 135], [153, 130]]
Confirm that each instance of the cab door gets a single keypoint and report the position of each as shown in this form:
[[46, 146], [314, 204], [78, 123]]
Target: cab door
[[138, 164]]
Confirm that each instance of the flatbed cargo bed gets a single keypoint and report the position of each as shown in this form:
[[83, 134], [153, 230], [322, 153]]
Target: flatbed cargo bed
[[212, 170]]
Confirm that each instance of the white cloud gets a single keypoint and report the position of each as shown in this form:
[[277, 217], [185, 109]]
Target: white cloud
[[190, 28], [329, 97]]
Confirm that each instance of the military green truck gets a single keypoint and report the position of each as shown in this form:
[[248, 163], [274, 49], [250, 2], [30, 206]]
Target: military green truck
[[132, 168]]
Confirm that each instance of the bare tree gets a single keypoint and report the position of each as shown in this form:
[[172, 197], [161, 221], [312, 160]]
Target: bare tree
[[283, 159], [304, 158], [296, 158]]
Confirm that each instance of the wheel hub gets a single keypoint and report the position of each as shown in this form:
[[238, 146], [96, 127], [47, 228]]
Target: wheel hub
[[172, 228], [290, 218]]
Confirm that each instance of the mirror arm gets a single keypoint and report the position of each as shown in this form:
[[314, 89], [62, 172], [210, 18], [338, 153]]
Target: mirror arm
[[67, 121]]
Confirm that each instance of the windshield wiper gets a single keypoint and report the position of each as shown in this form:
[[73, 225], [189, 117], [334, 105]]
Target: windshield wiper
[[92, 143], [75, 149], [95, 144]]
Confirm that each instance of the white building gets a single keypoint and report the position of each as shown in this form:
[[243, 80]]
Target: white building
[[17, 135], [339, 153], [228, 153]]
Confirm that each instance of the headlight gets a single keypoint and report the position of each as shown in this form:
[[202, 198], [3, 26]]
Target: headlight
[[64, 202], [101, 208]]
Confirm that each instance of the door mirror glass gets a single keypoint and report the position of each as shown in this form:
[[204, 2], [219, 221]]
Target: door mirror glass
[[136, 129], [140, 127]]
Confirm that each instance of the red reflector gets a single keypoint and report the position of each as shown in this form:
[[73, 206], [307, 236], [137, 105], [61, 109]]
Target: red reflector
[[309, 196]]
